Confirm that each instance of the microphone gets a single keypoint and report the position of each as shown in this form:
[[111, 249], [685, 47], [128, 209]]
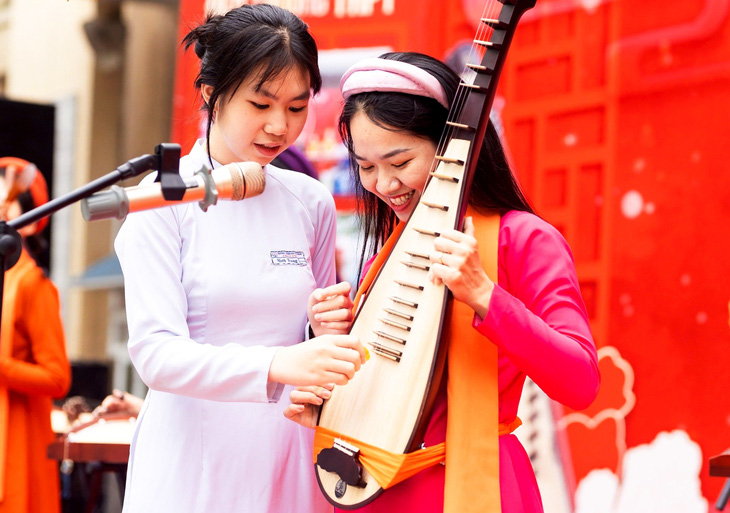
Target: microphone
[[236, 181]]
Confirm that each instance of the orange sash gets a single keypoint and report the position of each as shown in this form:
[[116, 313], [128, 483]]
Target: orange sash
[[472, 425], [471, 448], [388, 468]]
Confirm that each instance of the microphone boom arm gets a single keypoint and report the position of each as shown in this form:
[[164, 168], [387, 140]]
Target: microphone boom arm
[[130, 169], [10, 241]]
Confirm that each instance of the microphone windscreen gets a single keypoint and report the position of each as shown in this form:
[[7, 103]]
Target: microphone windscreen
[[253, 176]]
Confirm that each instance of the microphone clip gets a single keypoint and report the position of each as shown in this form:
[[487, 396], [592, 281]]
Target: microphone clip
[[211, 192], [173, 186]]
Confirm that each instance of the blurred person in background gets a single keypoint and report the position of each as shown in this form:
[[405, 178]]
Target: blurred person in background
[[34, 368], [119, 404]]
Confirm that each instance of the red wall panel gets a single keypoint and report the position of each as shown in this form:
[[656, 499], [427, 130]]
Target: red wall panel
[[624, 113], [616, 117]]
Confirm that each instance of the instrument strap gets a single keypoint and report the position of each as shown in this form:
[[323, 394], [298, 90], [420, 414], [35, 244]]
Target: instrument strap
[[377, 264]]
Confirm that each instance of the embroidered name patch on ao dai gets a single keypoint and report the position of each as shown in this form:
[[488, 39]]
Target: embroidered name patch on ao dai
[[288, 258]]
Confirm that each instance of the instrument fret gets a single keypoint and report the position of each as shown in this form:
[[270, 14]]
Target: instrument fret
[[402, 301], [427, 232], [386, 352], [447, 178], [395, 324], [462, 125], [390, 337], [413, 265], [409, 285], [494, 23], [476, 88], [399, 314], [479, 68], [417, 255], [445, 208], [488, 44], [451, 160]]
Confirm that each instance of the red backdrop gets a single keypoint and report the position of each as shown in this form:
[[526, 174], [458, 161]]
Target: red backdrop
[[615, 115]]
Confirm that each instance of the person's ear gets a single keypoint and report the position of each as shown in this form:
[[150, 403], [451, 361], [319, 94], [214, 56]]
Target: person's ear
[[206, 91]]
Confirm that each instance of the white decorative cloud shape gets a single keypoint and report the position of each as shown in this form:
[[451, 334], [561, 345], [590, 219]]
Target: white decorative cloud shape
[[597, 492], [660, 476]]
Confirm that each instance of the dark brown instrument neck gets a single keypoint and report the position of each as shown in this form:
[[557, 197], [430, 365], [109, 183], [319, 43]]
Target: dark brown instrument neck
[[469, 116]]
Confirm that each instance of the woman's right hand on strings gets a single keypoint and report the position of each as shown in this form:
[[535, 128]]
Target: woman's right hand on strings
[[305, 403], [330, 310], [326, 359]]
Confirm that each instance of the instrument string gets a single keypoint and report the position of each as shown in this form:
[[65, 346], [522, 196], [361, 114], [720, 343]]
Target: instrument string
[[468, 75], [490, 10]]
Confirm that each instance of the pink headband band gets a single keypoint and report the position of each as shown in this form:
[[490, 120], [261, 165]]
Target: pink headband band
[[385, 75]]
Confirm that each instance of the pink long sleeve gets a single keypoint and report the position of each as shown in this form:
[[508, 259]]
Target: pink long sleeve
[[536, 314]]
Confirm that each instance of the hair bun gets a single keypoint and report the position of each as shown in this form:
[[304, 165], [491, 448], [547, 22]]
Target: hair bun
[[199, 49]]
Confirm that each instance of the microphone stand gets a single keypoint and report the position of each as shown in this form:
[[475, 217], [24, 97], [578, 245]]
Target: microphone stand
[[723, 497], [166, 160]]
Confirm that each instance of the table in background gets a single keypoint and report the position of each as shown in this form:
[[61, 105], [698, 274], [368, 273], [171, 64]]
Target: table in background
[[104, 447]]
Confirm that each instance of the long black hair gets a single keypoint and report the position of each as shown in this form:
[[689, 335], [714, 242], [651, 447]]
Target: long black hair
[[260, 38], [494, 187]]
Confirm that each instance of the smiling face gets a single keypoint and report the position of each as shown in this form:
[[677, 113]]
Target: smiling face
[[392, 165], [258, 124]]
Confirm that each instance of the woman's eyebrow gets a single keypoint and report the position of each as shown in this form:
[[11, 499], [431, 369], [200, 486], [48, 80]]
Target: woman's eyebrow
[[391, 153], [268, 94]]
